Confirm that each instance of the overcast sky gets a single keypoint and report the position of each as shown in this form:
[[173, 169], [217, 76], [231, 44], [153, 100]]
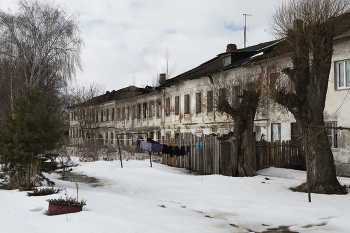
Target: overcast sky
[[126, 39]]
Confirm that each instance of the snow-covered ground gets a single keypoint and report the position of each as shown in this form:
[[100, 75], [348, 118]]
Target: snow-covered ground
[[140, 198]]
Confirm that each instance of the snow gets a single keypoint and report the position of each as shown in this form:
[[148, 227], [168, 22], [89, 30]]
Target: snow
[[140, 198]]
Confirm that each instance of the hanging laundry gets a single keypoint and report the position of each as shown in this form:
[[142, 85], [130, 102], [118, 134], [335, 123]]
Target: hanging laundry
[[176, 151], [189, 150], [146, 146], [199, 145], [171, 151], [156, 147], [138, 144], [165, 149], [182, 151]]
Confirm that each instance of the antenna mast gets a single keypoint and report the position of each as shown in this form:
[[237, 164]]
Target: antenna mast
[[245, 28]]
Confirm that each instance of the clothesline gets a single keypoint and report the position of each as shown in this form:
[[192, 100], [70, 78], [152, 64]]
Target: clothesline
[[153, 146]]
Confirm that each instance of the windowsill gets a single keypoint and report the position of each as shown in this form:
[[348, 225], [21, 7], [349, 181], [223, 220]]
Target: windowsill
[[342, 88]]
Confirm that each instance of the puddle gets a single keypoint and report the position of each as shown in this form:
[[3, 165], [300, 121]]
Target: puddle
[[74, 177]]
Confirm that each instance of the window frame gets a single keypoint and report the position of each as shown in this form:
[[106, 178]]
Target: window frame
[[167, 106], [198, 102], [187, 104], [177, 105], [346, 79]]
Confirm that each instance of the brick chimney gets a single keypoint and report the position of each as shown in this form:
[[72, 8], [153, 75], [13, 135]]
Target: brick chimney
[[231, 47], [162, 78]]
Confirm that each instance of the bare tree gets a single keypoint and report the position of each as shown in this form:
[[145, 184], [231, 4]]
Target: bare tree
[[168, 69], [238, 97], [40, 48], [83, 103], [308, 28]]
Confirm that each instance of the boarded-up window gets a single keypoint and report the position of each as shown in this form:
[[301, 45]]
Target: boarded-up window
[[187, 104], [139, 111], [198, 103], [177, 105], [210, 101], [144, 110], [159, 136], [150, 109], [159, 108], [222, 94], [167, 104]]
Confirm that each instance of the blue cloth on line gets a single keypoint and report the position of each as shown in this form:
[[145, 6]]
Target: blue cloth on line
[[146, 146], [199, 144]]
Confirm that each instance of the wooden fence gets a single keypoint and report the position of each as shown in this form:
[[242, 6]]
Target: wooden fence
[[215, 155]]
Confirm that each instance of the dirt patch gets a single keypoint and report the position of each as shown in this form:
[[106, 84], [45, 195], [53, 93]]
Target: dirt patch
[[284, 229]]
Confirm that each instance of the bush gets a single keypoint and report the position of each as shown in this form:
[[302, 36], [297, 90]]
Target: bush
[[44, 191]]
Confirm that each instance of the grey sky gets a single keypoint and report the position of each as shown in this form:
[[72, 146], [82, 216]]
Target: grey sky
[[127, 38]]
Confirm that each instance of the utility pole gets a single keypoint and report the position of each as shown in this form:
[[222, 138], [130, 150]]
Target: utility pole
[[245, 28]]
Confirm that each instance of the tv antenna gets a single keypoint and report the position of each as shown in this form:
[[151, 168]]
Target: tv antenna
[[245, 28]]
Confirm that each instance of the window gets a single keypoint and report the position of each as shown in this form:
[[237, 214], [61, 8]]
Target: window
[[139, 111], [133, 112], [118, 114], [275, 132], [332, 134], [144, 110], [275, 81], [96, 116], [198, 103], [187, 104], [342, 69], [236, 94], [177, 105], [112, 141], [101, 115], [127, 113], [167, 103], [159, 136], [210, 101], [150, 109], [112, 114], [227, 60], [159, 108], [107, 114], [222, 94], [107, 138], [295, 134], [123, 113], [167, 135]]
